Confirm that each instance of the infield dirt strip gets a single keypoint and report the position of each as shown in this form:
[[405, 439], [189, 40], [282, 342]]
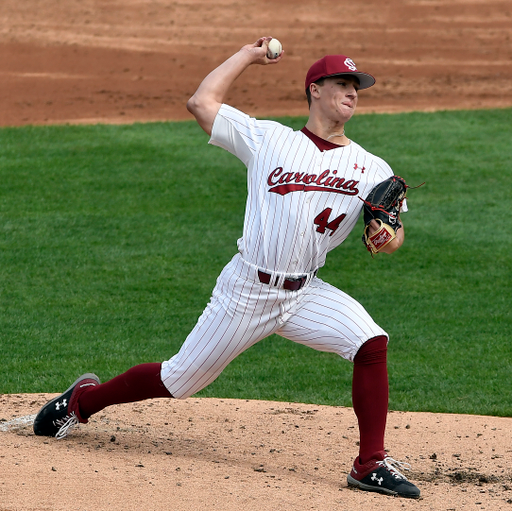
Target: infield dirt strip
[[131, 60], [117, 61]]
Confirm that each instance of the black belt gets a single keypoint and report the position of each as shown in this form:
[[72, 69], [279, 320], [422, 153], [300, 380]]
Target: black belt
[[290, 284]]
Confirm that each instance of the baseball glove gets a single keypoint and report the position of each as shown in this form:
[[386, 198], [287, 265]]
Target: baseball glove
[[383, 204]]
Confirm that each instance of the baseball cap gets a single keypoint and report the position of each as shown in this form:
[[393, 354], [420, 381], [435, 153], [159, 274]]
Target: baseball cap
[[333, 65]]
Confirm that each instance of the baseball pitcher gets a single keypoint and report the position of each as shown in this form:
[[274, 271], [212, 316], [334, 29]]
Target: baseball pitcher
[[306, 190]]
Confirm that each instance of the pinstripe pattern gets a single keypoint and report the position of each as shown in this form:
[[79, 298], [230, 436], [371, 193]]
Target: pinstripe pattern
[[327, 319], [296, 192], [279, 231], [242, 311]]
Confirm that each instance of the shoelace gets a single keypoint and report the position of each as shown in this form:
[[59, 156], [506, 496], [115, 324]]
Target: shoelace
[[66, 424], [393, 466]]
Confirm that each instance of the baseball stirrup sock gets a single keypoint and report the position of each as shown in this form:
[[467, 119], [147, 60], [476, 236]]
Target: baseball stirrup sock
[[370, 396], [138, 383]]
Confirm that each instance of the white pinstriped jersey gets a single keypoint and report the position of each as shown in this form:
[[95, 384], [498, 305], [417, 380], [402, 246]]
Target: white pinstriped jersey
[[302, 202]]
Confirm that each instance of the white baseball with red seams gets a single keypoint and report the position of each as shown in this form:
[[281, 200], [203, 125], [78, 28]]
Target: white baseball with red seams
[[302, 202], [274, 49]]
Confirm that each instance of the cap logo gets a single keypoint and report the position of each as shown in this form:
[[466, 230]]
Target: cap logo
[[350, 64]]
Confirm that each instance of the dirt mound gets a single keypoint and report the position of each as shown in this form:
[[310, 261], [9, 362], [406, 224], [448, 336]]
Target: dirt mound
[[235, 454]]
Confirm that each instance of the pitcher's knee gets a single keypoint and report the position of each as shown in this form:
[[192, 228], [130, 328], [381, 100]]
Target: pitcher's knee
[[373, 351]]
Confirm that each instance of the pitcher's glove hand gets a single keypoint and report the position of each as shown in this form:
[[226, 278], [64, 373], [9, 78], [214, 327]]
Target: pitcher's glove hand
[[383, 204]]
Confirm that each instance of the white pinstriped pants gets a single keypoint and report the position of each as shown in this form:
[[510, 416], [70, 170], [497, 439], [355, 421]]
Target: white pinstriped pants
[[243, 311]]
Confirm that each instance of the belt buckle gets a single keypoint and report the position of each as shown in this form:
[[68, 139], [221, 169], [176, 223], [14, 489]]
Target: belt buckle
[[296, 279], [294, 284], [289, 283]]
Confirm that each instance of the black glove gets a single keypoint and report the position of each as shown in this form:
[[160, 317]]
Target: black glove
[[383, 204]]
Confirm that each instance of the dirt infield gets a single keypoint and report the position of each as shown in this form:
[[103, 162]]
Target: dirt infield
[[117, 61], [131, 60], [234, 454]]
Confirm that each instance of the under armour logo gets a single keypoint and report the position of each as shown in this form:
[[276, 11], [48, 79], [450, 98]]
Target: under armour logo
[[350, 64], [378, 479], [58, 405], [356, 166]]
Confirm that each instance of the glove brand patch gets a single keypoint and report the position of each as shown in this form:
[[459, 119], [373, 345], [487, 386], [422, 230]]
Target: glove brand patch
[[381, 238]]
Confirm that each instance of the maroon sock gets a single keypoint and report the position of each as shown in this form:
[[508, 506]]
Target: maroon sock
[[138, 383], [370, 397]]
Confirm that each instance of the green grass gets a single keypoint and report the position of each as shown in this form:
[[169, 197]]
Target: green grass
[[111, 238]]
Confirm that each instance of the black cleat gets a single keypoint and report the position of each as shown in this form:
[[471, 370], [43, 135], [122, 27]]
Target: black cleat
[[60, 415], [383, 476]]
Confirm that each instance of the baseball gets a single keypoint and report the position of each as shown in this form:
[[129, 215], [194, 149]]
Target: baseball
[[274, 49]]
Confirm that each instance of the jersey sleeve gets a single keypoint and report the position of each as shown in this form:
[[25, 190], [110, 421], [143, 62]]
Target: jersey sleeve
[[383, 169], [238, 133]]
